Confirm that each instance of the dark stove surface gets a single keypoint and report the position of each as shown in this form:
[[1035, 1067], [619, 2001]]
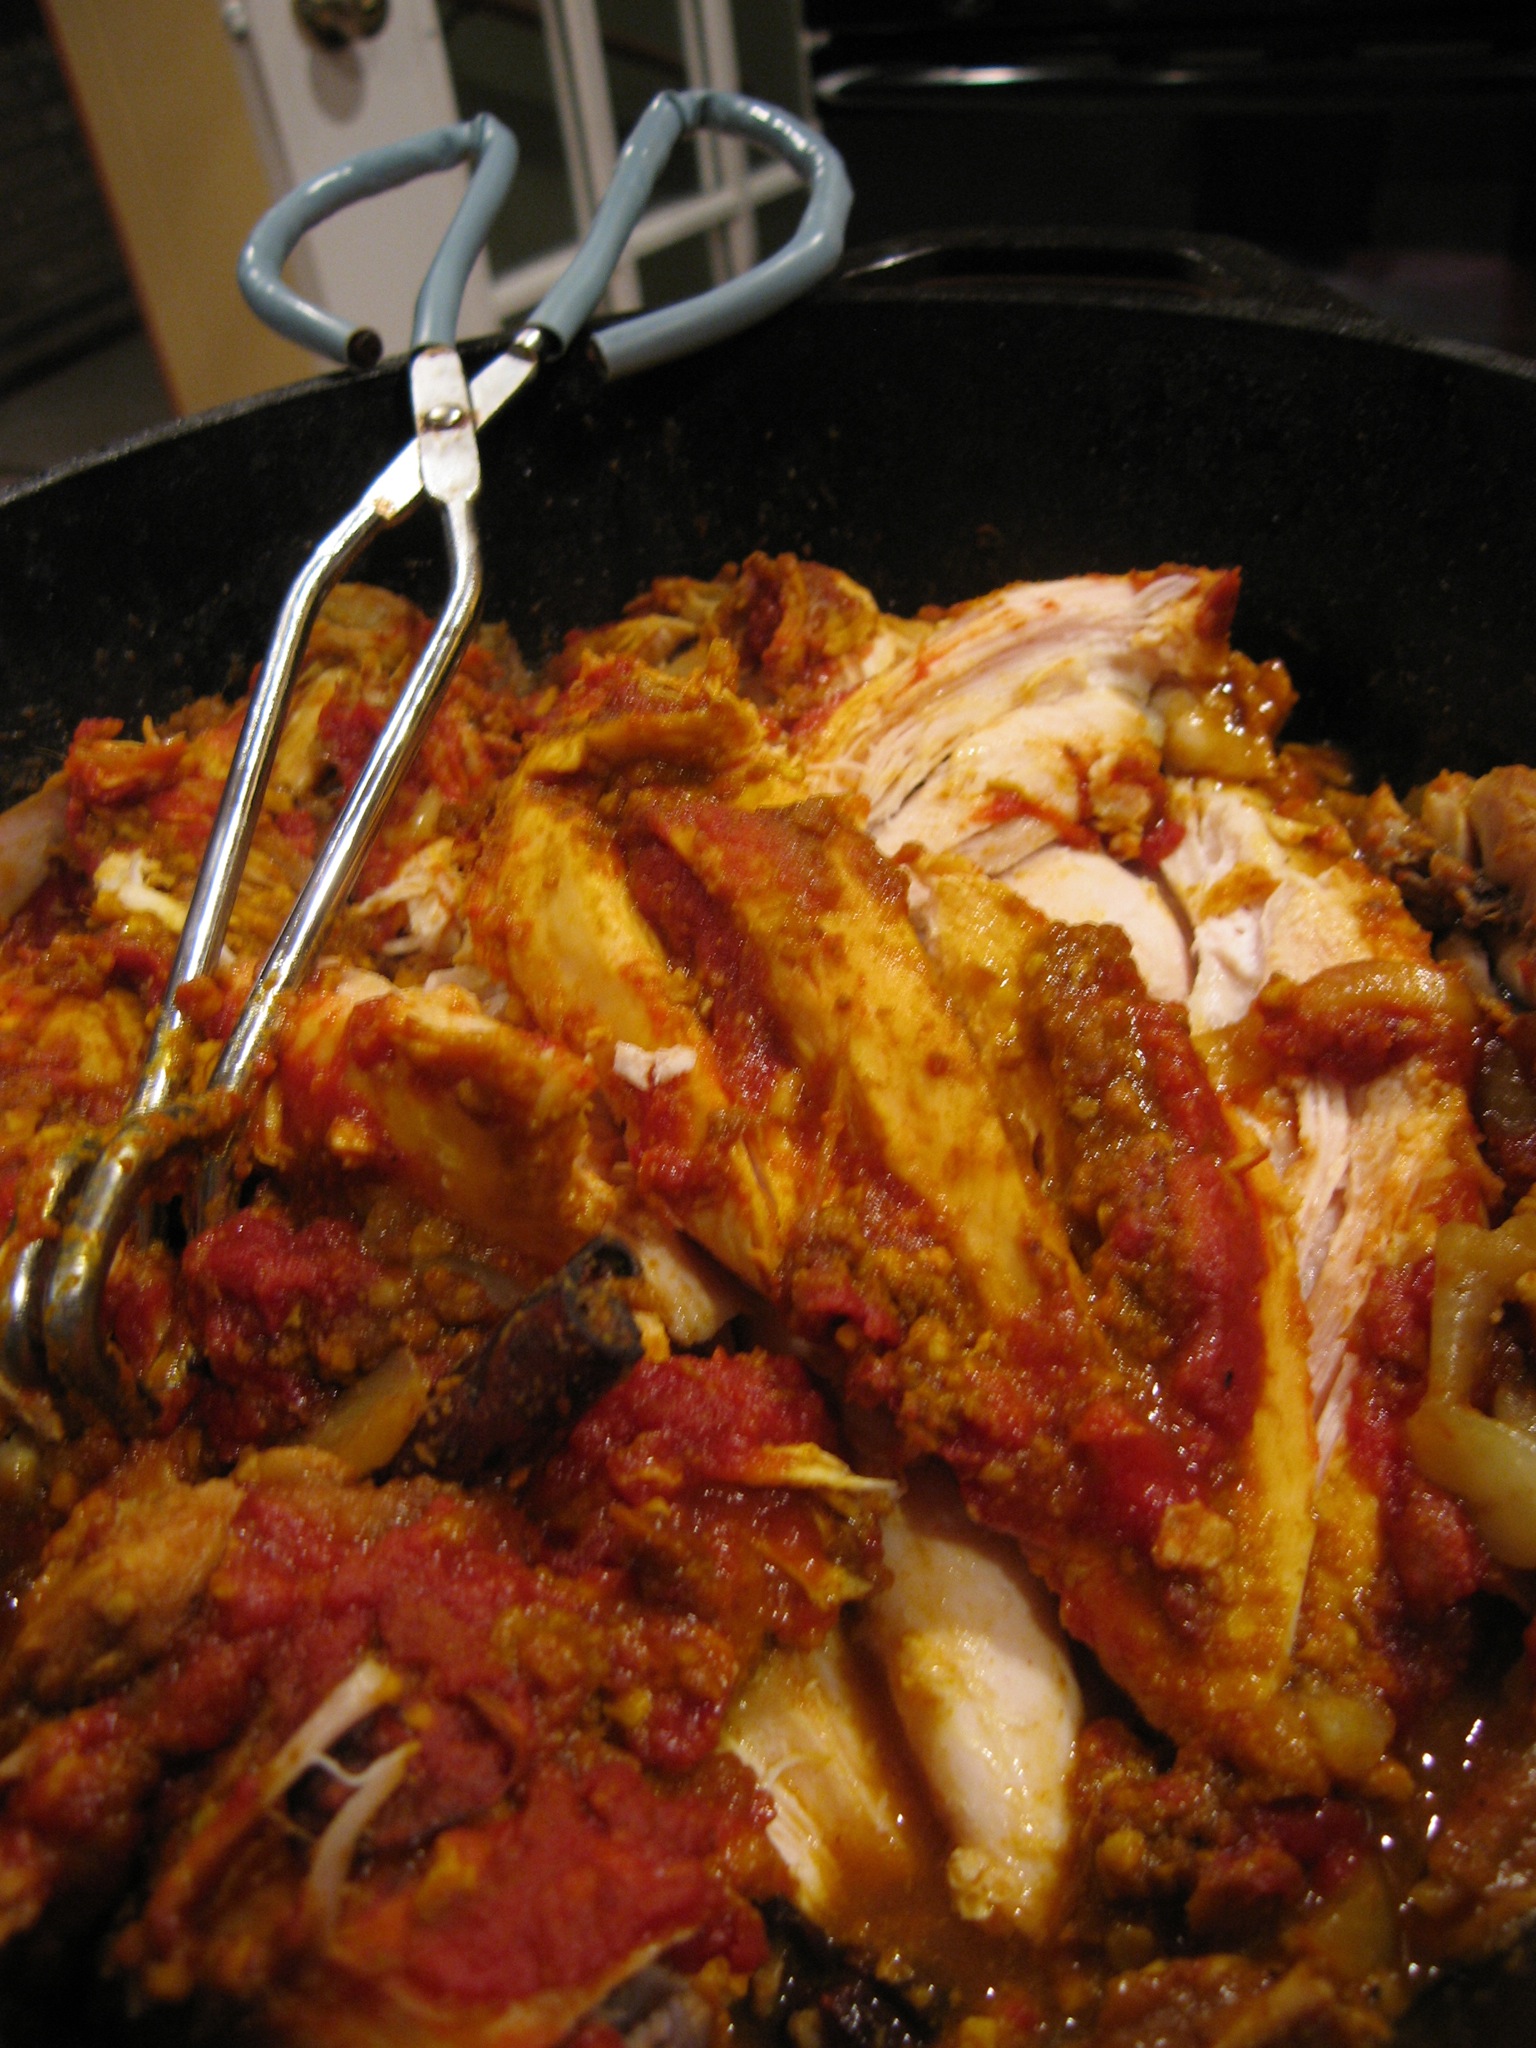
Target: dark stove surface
[[1388, 144], [1002, 45], [1034, 19]]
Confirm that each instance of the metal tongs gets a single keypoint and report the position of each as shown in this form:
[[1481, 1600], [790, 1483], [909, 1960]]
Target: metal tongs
[[53, 1296]]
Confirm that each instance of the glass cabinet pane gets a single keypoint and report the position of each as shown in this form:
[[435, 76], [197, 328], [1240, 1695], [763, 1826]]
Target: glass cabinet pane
[[497, 54], [500, 66]]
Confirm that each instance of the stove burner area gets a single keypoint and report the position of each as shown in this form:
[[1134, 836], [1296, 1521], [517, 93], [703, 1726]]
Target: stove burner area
[[1388, 146]]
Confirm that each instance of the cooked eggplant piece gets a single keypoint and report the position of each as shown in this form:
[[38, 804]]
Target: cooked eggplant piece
[[813, 1989], [547, 1361], [656, 2009]]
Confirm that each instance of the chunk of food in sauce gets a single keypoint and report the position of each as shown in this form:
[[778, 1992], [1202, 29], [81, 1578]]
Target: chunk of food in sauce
[[874, 1378]]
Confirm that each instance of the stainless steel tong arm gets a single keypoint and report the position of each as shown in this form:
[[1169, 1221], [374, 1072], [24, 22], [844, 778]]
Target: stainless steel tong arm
[[61, 1326], [446, 465]]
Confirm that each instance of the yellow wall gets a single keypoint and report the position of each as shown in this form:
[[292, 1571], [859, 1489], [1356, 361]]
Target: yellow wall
[[158, 97]]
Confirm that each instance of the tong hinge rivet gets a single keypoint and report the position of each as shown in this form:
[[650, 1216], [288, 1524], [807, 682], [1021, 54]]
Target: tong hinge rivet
[[439, 418]]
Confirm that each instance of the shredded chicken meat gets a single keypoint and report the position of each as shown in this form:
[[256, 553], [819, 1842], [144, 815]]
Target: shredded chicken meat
[[874, 1378]]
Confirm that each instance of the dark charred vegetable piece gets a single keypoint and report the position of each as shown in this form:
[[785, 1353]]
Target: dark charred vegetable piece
[[1504, 1101], [548, 1361], [656, 2009], [1463, 853], [849, 2007]]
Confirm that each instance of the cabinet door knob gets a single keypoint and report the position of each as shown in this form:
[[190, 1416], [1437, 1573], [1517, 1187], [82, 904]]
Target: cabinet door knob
[[335, 23]]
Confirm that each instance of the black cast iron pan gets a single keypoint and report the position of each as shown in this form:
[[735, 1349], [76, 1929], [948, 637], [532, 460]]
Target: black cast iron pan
[[948, 415]]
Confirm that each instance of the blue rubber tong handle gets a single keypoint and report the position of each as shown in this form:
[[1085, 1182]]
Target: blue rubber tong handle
[[811, 252], [484, 142], [629, 345]]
